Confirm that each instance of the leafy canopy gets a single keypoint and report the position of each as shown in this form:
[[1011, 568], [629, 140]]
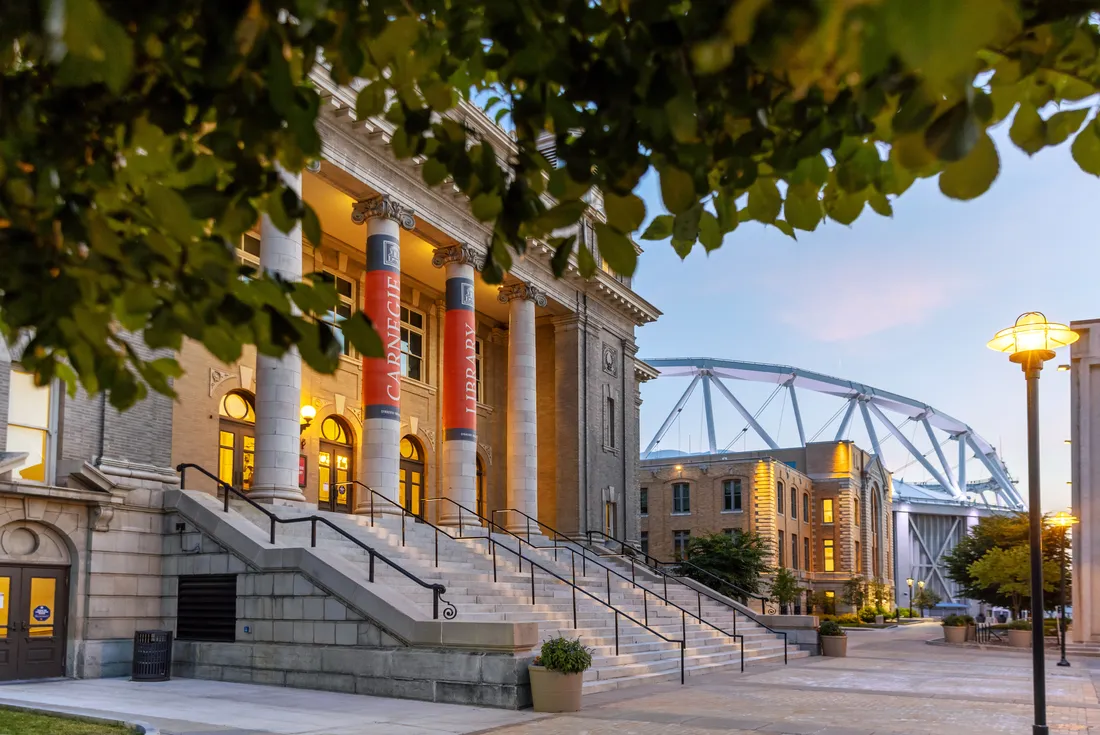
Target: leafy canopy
[[139, 140], [784, 587], [739, 562], [1009, 572]]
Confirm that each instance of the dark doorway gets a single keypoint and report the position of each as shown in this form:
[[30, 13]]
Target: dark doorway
[[33, 612]]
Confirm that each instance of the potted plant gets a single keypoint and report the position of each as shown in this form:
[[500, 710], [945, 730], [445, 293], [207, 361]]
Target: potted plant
[[558, 673], [834, 641], [971, 628], [1019, 634], [785, 589], [954, 629]]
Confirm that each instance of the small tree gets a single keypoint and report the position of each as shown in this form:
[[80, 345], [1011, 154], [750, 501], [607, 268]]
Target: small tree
[[738, 562], [784, 588], [926, 598], [855, 592], [1009, 572]]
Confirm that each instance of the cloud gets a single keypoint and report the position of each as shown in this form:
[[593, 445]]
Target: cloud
[[836, 304]]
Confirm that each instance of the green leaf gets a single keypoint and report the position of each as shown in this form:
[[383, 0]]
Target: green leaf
[[677, 189], [880, 204], [363, 336], [311, 225], [725, 206], [742, 18], [625, 214], [686, 224], [951, 135], [682, 247], [681, 114], [1063, 124], [764, 200], [371, 101], [171, 211], [487, 206], [586, 264], [659, 229], [1028, 129], [563, 215], [972, 176], [1086, 149], [845, 208], [434, 172], [617, 249], [710, 235], [785, 227], [802, 209]]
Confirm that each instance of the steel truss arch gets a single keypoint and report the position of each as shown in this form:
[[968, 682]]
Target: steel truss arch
[[872, 404]]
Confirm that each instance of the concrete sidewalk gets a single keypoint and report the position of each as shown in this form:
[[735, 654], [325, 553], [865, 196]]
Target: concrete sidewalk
[[195, 707]]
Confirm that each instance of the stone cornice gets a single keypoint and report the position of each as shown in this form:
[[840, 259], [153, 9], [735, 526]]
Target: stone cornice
[[383, 206], [521, 290]]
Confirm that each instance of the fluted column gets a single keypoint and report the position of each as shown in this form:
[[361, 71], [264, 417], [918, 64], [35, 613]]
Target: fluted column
[[380, 457], [279, 380], [522, 420], [459, 385]]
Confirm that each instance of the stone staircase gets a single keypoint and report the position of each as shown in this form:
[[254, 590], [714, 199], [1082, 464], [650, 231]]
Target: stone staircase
[[466, 567]]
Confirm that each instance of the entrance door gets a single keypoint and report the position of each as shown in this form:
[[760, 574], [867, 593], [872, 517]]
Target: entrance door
[[334, 469], [32, 622], [412, 476], [237, 440], [609, 520]]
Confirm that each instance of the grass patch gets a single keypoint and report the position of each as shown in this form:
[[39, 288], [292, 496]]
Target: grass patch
[[16, 722]]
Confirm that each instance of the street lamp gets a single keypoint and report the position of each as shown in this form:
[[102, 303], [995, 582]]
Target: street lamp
[[920, 594], [909, 582], [1062, 520], [1030, 342]]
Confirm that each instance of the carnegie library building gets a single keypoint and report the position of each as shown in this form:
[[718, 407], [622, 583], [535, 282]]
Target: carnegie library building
[[412, 525]]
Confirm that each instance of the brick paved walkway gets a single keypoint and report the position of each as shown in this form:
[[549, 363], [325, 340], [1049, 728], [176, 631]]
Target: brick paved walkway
[[891, 683]]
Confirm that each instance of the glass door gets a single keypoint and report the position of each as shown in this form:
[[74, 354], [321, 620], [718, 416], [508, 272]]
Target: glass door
[[9, 581], [334, 491], [32, 622]]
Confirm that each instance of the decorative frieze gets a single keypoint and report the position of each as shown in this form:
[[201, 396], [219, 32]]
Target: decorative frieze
[[383, 206], [217, 377]]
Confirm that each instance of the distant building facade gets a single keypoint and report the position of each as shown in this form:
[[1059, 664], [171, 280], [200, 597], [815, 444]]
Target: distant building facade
[[825, 509]]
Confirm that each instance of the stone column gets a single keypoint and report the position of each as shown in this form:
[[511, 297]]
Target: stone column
[[522, 419], [380, 456], [1085, 476], [459, 386], [279, 380]]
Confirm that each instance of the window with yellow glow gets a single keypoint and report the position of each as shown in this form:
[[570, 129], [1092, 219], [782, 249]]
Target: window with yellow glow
[[830, 564], [827, 510], [29, 425], [5, 604]]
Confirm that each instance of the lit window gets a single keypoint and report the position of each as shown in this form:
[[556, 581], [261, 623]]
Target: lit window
[[830, 565], [794, 552], [794, 503], [855, 509], [806, 507], [779, 549], [248, 250], [859, 558], [478, 372], [336, 316], [681, 498], [731, 495], [680, 543], [779, 498], [29, 425], [827, 510], [643, 501], [412, 343]]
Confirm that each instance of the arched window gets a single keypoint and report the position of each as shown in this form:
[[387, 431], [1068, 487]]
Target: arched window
[[411, 486], [806, 510], [779, 498], [237, 439], [335, 466]]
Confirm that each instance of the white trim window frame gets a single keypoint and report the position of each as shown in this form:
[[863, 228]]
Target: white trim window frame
[[30, 428], [345, 307], [413, 339], [248, 250]]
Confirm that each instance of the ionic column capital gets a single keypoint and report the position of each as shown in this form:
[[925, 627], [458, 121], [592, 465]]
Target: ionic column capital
[[382, 206], [460, 253], [522, 290]]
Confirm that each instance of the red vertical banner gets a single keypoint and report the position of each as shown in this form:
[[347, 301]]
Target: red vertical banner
[[460, 359], [382, 304]]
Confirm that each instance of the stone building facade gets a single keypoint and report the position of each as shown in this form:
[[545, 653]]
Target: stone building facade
[[522, 396], [825, 509]]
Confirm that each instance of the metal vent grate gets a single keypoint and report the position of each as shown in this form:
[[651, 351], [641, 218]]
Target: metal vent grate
[[207, 608]]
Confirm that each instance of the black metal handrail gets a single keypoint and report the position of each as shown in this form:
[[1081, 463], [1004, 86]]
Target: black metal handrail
[[438, 590], [656, 564]]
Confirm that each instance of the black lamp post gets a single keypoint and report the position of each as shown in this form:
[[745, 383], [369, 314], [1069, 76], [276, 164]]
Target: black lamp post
[[1062, 520], [1030, 343], [909, 582]]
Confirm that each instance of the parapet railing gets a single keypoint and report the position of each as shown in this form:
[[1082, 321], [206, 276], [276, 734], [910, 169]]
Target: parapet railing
[[438, 590]]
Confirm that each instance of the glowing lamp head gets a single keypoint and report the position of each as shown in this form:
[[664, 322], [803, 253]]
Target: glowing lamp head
[[909, 581], [308, 413], [1031, 337], [679, 468], [1061, 519], [921, 584]]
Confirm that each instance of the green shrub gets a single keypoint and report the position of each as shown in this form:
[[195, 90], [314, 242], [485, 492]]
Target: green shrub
[[968, 619], [868, 614], [848, 619], [826, 616], [1019, 625], [905, 612], [564, 655], [830, 627], [880, 610], [954, 621]]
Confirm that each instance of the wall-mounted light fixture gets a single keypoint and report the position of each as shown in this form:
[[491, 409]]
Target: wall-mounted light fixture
[[308, 413]]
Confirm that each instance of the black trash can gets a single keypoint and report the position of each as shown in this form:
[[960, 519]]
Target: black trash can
[[152, 656]]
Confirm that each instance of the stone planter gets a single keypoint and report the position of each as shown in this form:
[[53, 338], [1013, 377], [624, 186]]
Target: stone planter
[[553, 691], [954, 633], [880, 620], [972, 632], [1019, 638], [834, 645]]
